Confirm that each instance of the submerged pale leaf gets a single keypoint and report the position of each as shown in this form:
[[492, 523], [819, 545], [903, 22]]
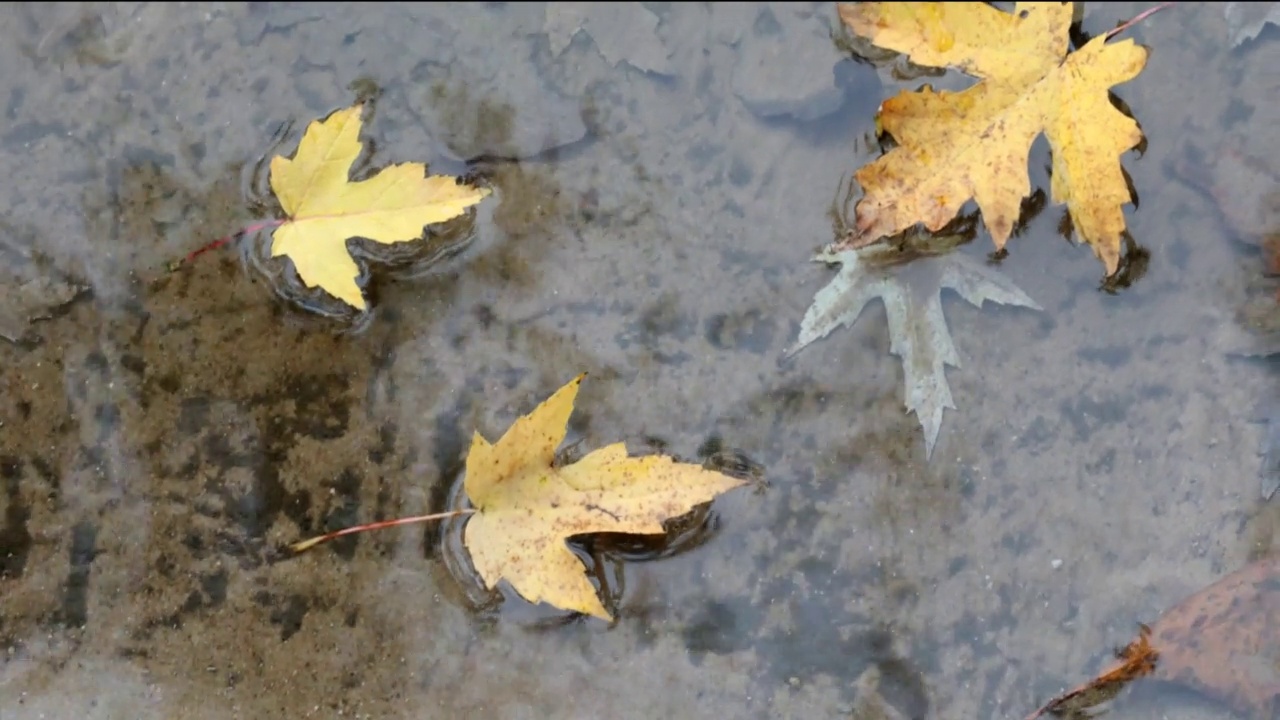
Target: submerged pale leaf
[[918, 331]]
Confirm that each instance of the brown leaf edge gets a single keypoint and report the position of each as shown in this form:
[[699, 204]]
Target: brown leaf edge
[[1136, 660]]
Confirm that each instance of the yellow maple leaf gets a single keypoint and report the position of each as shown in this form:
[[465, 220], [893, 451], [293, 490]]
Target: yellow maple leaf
[[974, 143], [526, 507], [326, 208]]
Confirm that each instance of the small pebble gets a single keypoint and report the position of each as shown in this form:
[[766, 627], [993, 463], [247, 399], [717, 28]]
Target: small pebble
[[1055, 563]]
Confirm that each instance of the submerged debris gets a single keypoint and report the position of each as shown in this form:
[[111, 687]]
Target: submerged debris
[[1136, 660], [1268, 412], [1238, 173], [785, 62], [30, 288], [1221, 642], [1243, 187], [622, 32], [1269, 472], [1245, 20]]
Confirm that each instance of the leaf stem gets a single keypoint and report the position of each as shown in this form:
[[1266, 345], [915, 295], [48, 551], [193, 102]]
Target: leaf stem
[[1139, 18], [305, 545], [234, 237]]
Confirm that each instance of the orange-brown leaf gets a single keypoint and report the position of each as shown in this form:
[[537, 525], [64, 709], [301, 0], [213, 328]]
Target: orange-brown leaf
[[1223, 641], [1137, 659]]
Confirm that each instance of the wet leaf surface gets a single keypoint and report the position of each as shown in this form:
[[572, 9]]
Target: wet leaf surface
[[527, 506], [974, 144], [1223, 641], [326, 208]]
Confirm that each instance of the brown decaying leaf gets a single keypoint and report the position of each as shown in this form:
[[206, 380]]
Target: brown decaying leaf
[[1135, 660], [1223, 641]]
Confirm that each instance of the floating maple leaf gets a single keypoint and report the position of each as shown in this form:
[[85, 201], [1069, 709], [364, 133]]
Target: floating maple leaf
[[526, 506], [973, 144], [918, 333], [326, 208]]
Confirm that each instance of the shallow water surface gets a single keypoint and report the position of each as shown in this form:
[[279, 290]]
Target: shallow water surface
[[661, 180]]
